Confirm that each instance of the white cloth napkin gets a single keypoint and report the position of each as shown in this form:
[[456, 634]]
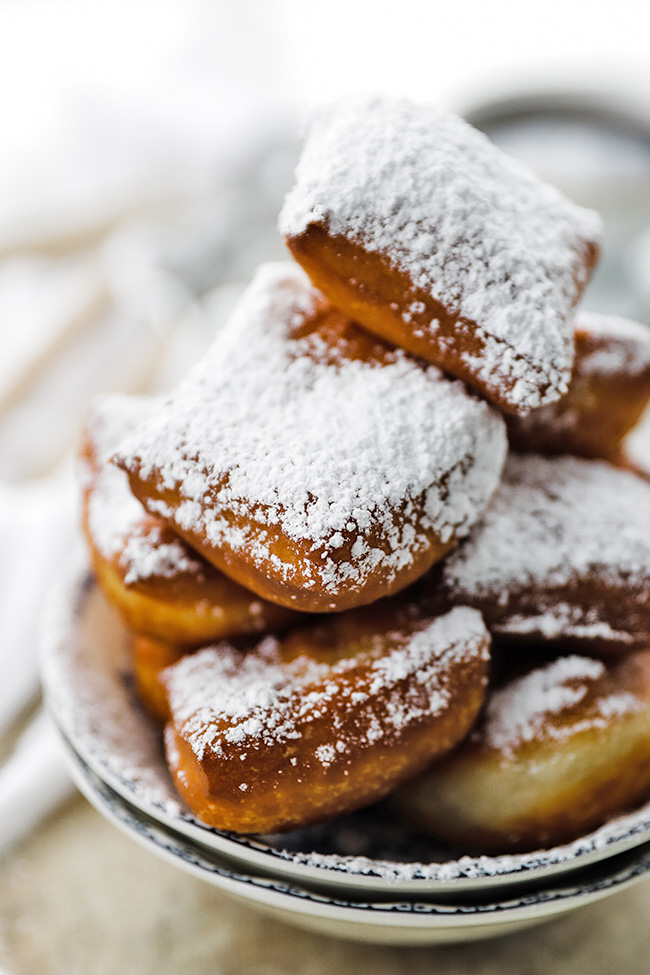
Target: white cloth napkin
[[33, 781], [37, 526]]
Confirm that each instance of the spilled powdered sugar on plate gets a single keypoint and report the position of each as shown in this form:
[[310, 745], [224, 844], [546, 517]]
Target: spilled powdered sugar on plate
[[488, 240], [356, 462], [88, 690], [85, 669]]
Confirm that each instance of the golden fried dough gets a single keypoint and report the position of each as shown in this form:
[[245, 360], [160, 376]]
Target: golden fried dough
[[417, 226], [324, 720], [557, 752], [311, 462], [160, 585], [150, 658]]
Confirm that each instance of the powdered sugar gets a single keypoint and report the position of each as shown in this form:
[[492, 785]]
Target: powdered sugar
[[148, 553], [92, 701], [553, 619], [278, 430], [471, 227], [117, 522], [554, 525], [221, 697], [609, 352], [621, 346], [520, 711]]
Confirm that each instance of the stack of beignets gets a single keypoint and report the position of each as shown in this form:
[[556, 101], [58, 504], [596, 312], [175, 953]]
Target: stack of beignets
[[341, 451]]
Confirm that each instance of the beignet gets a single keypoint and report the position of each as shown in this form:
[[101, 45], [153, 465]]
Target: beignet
[[311, 462], [324, 720], [414, 224], [557, 752]]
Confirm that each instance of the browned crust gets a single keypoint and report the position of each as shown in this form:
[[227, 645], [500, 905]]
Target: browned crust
[[150, 657], [369, 289], [595, 416], [570, 786], [300, 591], [286, 785], [622, 605]]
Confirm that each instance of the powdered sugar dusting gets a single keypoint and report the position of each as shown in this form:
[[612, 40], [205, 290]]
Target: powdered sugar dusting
[[519, 712], [148, 553], [283, 431], [554, 524], [220, 697], [553, 619], [621, 346], [117, 522], [471, 227], [607, 348], [84, 672]]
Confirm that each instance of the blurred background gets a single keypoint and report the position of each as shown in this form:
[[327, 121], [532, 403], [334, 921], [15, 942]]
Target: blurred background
[[147, 145], [145, 150]]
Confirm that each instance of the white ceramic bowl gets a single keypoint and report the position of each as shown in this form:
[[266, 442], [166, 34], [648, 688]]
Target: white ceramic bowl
[[353, 915], [89, 689]]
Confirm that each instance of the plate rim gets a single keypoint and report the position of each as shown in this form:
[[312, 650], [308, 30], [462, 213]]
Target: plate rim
[[411, 913]]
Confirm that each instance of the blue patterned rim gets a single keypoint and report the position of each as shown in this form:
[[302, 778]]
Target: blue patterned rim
[[618, 872]]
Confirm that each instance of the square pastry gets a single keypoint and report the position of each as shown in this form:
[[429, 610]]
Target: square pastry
[[414, 224], [561, 557], [310, 461]]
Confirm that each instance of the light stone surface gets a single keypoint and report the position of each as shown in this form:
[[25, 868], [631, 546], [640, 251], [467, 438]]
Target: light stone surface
[[79, 898]]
